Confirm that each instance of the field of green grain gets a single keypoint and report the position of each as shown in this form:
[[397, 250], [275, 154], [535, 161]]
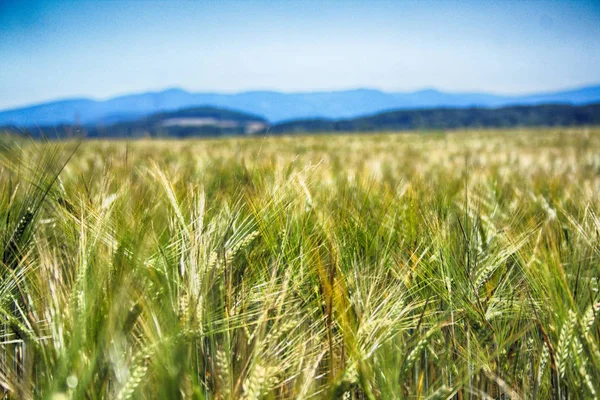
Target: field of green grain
[[392, 266]]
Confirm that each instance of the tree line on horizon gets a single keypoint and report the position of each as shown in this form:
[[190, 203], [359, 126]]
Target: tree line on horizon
[[234, 123]]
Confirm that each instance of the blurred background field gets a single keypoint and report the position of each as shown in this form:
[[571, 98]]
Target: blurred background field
[[457, 264]]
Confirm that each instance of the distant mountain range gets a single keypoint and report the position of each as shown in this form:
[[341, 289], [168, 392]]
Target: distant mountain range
[[211, 122], [274, 106]]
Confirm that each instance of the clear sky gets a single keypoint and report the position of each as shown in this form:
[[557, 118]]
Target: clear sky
[[53, 49]]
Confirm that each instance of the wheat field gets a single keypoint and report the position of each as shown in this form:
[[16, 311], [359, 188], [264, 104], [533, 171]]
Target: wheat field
[[434, 265]]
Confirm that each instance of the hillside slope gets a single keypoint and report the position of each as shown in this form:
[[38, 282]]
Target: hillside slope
[[453, 118], [198, 121]]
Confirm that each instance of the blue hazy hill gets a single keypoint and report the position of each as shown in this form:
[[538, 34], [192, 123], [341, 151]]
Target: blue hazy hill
[[274, 106]]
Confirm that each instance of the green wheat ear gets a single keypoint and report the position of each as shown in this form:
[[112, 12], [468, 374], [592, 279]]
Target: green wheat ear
[[12, 251]]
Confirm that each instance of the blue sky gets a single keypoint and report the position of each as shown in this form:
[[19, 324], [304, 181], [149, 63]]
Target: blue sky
[[58, 49]]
